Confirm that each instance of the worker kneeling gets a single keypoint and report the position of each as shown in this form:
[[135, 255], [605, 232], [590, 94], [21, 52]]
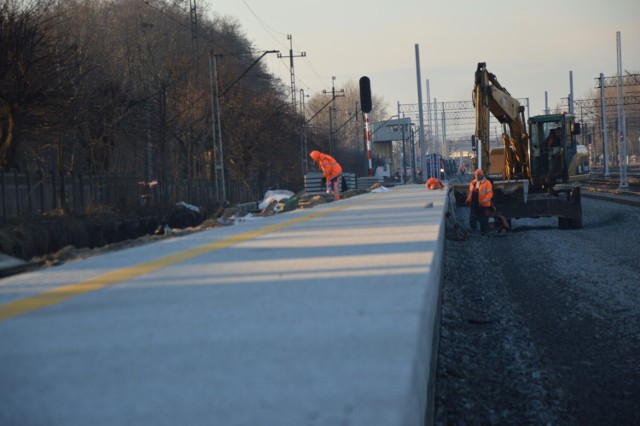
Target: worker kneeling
[[331, 170], [434, 183], [479, 200]]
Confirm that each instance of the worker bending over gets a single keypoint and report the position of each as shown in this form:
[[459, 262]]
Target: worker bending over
[[331, 170], [434, 183], [479, 200]]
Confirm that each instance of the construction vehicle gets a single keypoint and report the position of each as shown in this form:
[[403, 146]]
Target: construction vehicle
[[534, 173]]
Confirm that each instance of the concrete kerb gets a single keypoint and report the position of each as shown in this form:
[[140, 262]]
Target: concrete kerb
[[428, 339], [425, 360], [438, 278]]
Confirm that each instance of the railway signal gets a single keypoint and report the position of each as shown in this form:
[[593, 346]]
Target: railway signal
[[365, 105]]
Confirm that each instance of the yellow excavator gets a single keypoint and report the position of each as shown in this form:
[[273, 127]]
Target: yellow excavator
[[534, 173]]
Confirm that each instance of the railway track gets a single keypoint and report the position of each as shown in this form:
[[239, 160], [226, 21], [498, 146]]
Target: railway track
[[608, 189]]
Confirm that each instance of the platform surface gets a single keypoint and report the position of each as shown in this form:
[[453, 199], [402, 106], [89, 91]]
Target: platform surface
[[324, 316]]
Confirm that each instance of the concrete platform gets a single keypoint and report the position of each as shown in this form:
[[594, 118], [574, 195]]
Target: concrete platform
[[323, 316]]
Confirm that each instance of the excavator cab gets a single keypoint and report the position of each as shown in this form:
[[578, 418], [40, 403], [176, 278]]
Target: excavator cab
[[553, 148]]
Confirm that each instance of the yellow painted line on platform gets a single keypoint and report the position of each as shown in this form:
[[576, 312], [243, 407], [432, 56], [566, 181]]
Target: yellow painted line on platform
[[60, 294]]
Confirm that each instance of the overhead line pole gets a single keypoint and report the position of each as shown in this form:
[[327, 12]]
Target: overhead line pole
[[423, 156], [430, 134], [605, 148], [333, 98], [303, 136], [217, 154], [218, 158], [247, 70], [291, 68], [602, 83], [622, 131]]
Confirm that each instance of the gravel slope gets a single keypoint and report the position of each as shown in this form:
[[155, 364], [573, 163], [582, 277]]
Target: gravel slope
[[542, 326]]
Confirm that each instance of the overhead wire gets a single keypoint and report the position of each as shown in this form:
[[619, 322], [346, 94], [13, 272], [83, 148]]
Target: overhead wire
[[270, 31], [268, 28], [265, 25], [313, 70], [188, 27]]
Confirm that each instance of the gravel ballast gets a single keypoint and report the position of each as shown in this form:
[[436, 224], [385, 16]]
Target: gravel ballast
[[542, 326]]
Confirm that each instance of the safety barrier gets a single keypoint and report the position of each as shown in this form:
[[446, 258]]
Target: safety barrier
[[313, 182]]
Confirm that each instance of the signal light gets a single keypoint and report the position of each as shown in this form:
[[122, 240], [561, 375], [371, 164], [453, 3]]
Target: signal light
[[365, 94]]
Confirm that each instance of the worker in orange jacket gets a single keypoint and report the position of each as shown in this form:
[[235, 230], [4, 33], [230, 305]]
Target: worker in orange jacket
[[479, 200], [331, 170], [434, 183]]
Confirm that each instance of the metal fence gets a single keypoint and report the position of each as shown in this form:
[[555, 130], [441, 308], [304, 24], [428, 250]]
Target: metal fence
[[24, 193], [313, 182]]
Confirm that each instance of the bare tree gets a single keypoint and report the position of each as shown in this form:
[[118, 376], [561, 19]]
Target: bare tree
[[121, 87], [35, 81]]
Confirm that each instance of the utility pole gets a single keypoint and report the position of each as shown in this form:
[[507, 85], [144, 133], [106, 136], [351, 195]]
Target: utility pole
[[435, 148], [622, 127], [194, 28], [430, 134], [571, 92], [404, 166], [216, 129], [546, 102], [436, 128], [443, 147], [333, 100], [610, 82], [216, 121], [356, 129], [605, 148], [303, 141], [293, 74], [194, 58], [423, 157]]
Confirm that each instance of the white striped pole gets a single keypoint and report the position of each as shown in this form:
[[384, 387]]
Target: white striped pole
[[368, 134]]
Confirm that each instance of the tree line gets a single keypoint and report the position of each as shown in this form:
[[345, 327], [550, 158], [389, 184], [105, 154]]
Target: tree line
[[124, 87]]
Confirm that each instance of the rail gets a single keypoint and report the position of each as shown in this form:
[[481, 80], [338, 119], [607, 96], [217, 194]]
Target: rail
[[608, 188]]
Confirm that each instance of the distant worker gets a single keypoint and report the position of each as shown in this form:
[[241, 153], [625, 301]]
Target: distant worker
[[462, 169], [434, 183], [554, 145], [331, 170], [553, 140], [479, 200]]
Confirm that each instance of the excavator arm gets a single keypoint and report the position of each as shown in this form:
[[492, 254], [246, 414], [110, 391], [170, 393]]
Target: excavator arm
[[490, 97]]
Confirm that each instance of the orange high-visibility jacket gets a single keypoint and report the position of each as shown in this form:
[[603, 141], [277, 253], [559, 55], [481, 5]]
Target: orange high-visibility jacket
[[329, 166], [434, 183], [484, 189]]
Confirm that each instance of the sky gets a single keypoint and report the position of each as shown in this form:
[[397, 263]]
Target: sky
[[531, 46]]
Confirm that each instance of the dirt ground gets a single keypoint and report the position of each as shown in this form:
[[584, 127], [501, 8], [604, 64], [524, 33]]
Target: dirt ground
[[32, 237], [47, 240]]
